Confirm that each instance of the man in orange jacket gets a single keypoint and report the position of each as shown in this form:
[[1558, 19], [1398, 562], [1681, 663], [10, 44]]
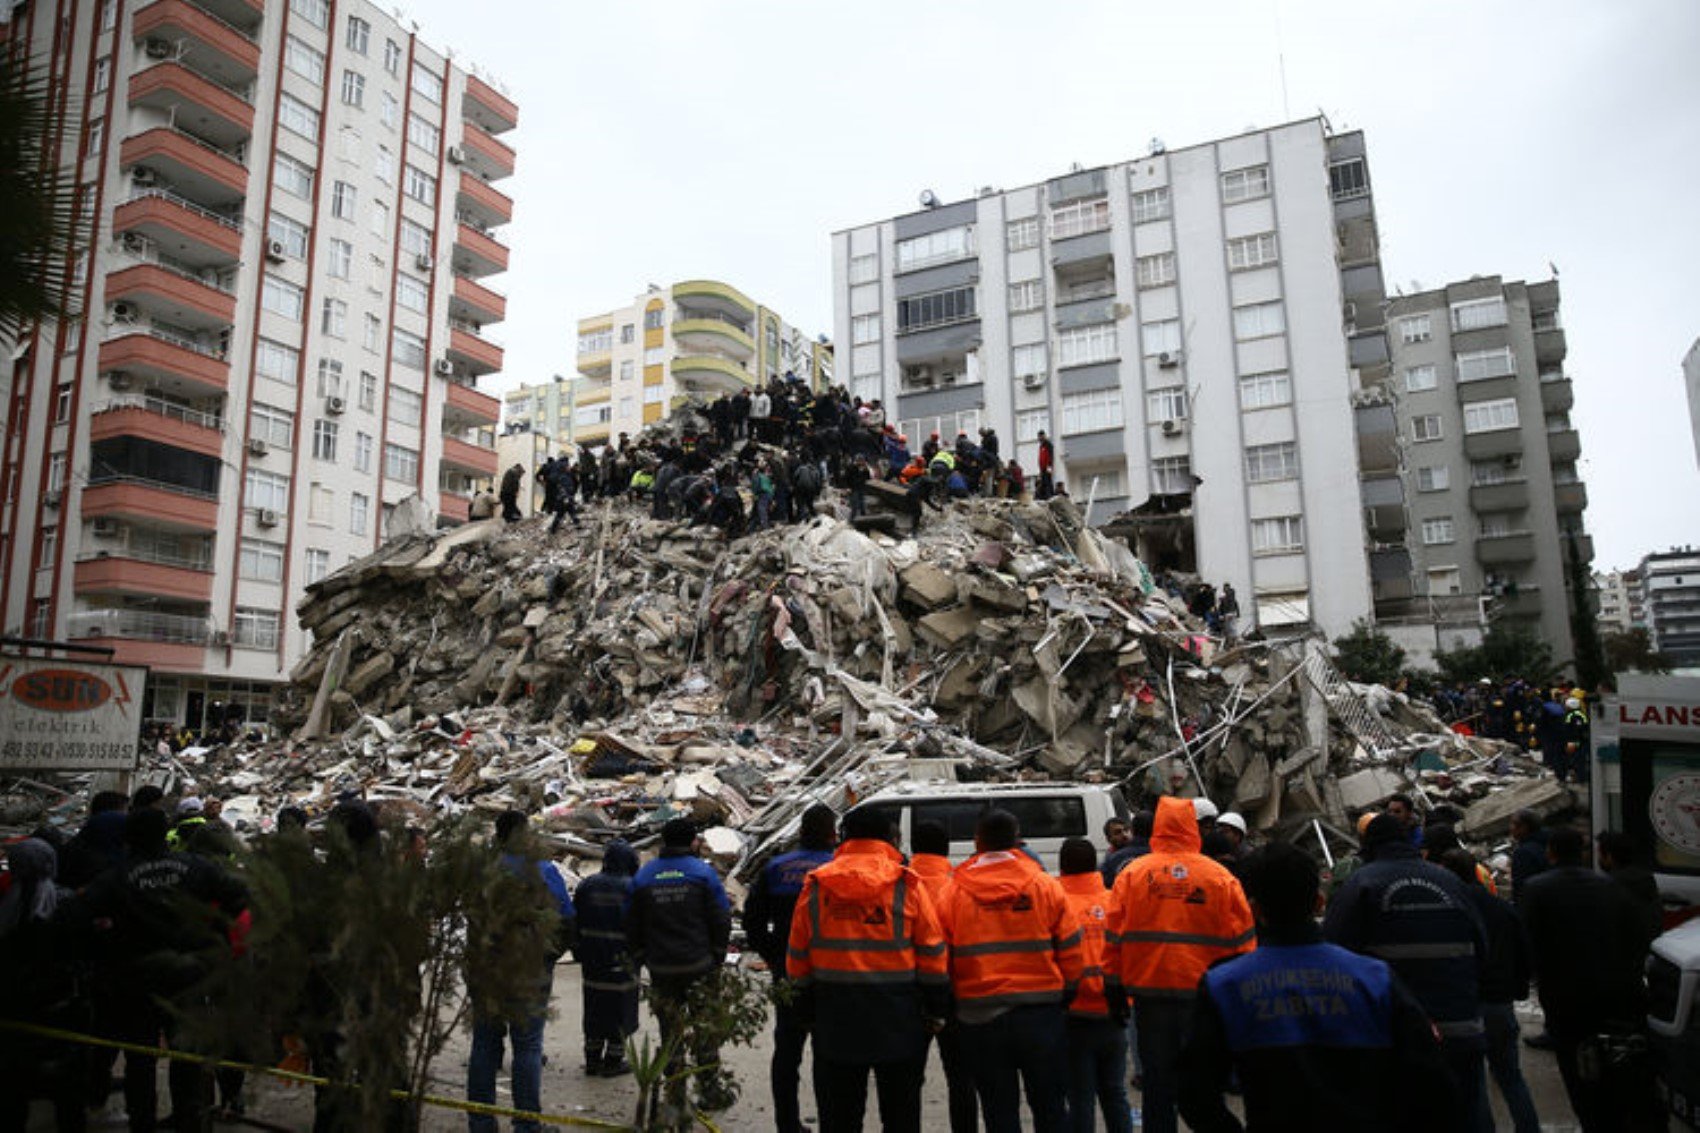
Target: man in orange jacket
[[1173, 913], [929, 857], [867, 956], [1015, 963], [1097, 1019]]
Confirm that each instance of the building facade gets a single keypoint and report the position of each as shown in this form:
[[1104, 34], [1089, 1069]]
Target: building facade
[[280, 333], [1691, 379], [1619, 602], [1670, 585], [1181, 325], [694, 340]]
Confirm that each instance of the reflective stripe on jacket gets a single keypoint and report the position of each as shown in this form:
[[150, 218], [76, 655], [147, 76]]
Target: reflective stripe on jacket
[[1014, 940], [1174, 912], [1091, 904]]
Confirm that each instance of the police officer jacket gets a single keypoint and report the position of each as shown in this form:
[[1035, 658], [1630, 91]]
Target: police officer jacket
[[681, 921], [767, 912]]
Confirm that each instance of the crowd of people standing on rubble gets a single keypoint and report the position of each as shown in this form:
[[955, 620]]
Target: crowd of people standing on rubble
[[1551, 719]]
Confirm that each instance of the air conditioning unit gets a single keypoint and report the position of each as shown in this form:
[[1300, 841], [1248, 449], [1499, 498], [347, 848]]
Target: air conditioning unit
[[456, 155], [135, 242], [119, 380], [266, 517], [1169, 359], [51, 499], [334, 404], [104, 528], [1033, 381], [275, 251], [444, 368], [424, 262], [221, 637], [142, 177], [124, 312], [1171, 428], [258, 447], [159, 49]]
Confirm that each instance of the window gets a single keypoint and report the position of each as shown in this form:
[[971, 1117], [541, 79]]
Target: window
[[1080, 217], [321, 501], [1426, 427], [56, 472], [276, 361], [315, 12], [601, 341], [293, 177], [368, 391], [1033, 358], [1495, 524], [334, 320], [359, 512], [1476, 313], [1480, 364], [324, 440], [863, 329], [1082, 346], [297, 117], [1151, 204], [343, 200], [1171, 475], [1445, 580], [255, 629], [1029, 423], [422, 134], [304, 59], [380, 219], [936, 309], [627, 369], [655, 356], [1437, 530], [1154, 271], [282, 298], [292, 234], [62, 404], [108, 14], [389, 110], [1161, 337], [1282, 534], [1434, 478], [404, 406], [400, 463], [1259, 320], [1415, 328], [1248, 252], [330, 377], [412, 294], [935, 248], [1419, 378], [49, 548], [415, 238], [420, 185], [1091, 412], [318, 564], [1023, 233], [373, 334], [266, 491], [392, 56], [1245, 184], [1266, 463], [1348, 179], [1487, 472], [97, 138], [102, 74], [653, 395], [864, 269], [656, 319], [359, 35], [628, 334], [1166, 404], [1028, 295], [353, 89], [363, 452], [1261, 391], [261, 560], [1490, 416], [426, 85]]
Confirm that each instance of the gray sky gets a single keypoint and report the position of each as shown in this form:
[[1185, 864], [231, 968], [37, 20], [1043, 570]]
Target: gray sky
[[669, 140]]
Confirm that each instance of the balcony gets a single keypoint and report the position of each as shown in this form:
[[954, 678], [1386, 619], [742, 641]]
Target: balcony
[[186, 580], [705, 373], [469, 458], [226, 53], [152, 502], [482, 203], [163, 422], [1549, 346], [1087, 249], [1494, 442], [468, 404], [1377, 430], [1512, 547], [1557, 394], [194, 102], [1570, 499], [160, 641], [472, 353], [1584, 546], [166, 359], [453, 507], [489, 107], [472, 301], [478, 254], [197, 170], [172, 295], [484, 155], [244, 15], [713, 296], [713, 335], [1521, 604], [1563, 446], [1507, 495], [180, 228]]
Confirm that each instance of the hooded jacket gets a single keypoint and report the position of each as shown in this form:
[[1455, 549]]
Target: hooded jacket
[[1174, 912], [868, 956], [1091, 904], [934, 870], [1014, 940], [603, 901], [681, 921]]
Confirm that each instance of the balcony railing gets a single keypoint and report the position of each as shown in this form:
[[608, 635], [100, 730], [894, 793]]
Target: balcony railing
[[184, 203], [684, 316], [221, 22], [202, 561], [96, 479], [164, 409], [144, 252], [243, 91], [145, 625], [120, 330]]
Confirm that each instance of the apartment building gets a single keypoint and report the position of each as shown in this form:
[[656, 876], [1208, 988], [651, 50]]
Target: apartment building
[[1488, 455], [1190, 328], [1670, 585], [281, 328], [694, 341], [1619, 604], [1691, 379]]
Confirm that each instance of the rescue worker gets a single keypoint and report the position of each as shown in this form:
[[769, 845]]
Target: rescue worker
[[1575, 741], [1015, 963], [610, 984], [1173, 913], [929, 858], [867, 955], [767, 926], [1318, 1036], [1097, 1019], [509, 493]]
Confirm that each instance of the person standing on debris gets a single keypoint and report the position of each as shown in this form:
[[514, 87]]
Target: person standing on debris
[[1228, 613], [563, 486], [1097, 1019], [867, 957], [1015, 964], [767, 926], [1418, 918], [1174, 912], [929, 858], [680, 926], [610, 984], [856, 478], [1319, 1037], [1047, 462], [1529, 852], [510, 493]]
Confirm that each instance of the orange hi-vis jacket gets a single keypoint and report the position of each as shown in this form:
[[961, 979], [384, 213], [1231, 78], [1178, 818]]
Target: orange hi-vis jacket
[[1174, 912], [934, 870], [1090, 901], [1014, 940]]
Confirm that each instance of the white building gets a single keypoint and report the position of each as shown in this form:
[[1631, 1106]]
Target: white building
[[1691, 378]]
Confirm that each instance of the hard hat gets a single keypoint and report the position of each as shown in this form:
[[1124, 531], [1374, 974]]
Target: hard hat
[[1203, 808], [1573, 704], [1232, 819]]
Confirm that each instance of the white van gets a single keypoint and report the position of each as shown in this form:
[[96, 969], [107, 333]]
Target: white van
[[1049, 813]]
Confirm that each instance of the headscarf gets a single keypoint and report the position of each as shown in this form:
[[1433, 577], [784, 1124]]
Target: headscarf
[[33, 895]]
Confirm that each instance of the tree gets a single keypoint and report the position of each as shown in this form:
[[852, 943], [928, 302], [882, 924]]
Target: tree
[[1505, 651], [40, 228], [1368, 656], [1632, 651]]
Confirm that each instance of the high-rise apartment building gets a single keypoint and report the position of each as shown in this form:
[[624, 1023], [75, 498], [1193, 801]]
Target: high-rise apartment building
[[1670, 587], [696, 339], [280, 330], [1191, 328], [1488, 455], [1619, 602]]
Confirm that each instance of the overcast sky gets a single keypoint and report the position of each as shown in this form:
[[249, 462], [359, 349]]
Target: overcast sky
[[668, 140]]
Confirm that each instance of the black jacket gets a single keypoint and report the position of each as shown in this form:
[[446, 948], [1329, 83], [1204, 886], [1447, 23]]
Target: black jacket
[[680, 921], [1510, 961], [1590, 946], [1528, 860]]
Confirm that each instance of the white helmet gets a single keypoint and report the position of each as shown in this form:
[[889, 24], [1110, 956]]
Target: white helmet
[[1203, 808], [1232, 819]]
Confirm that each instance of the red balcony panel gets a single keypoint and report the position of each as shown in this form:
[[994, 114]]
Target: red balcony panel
[[453, 505], [495, 158], [491, 105], [159, 656], [497, 206], [114, 574], [200, 171], [483, 304], [199, 103], [176, 20], [471, 403], [469, 457], [153, 285], [188, 231], [152, 356], [482, 356], [156, 505], [480, 247], [134, 421]]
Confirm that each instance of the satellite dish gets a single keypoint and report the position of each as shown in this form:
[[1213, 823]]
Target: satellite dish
[[929, 199]]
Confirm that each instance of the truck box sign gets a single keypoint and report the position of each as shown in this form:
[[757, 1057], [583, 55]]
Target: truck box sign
[[58, 715]]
